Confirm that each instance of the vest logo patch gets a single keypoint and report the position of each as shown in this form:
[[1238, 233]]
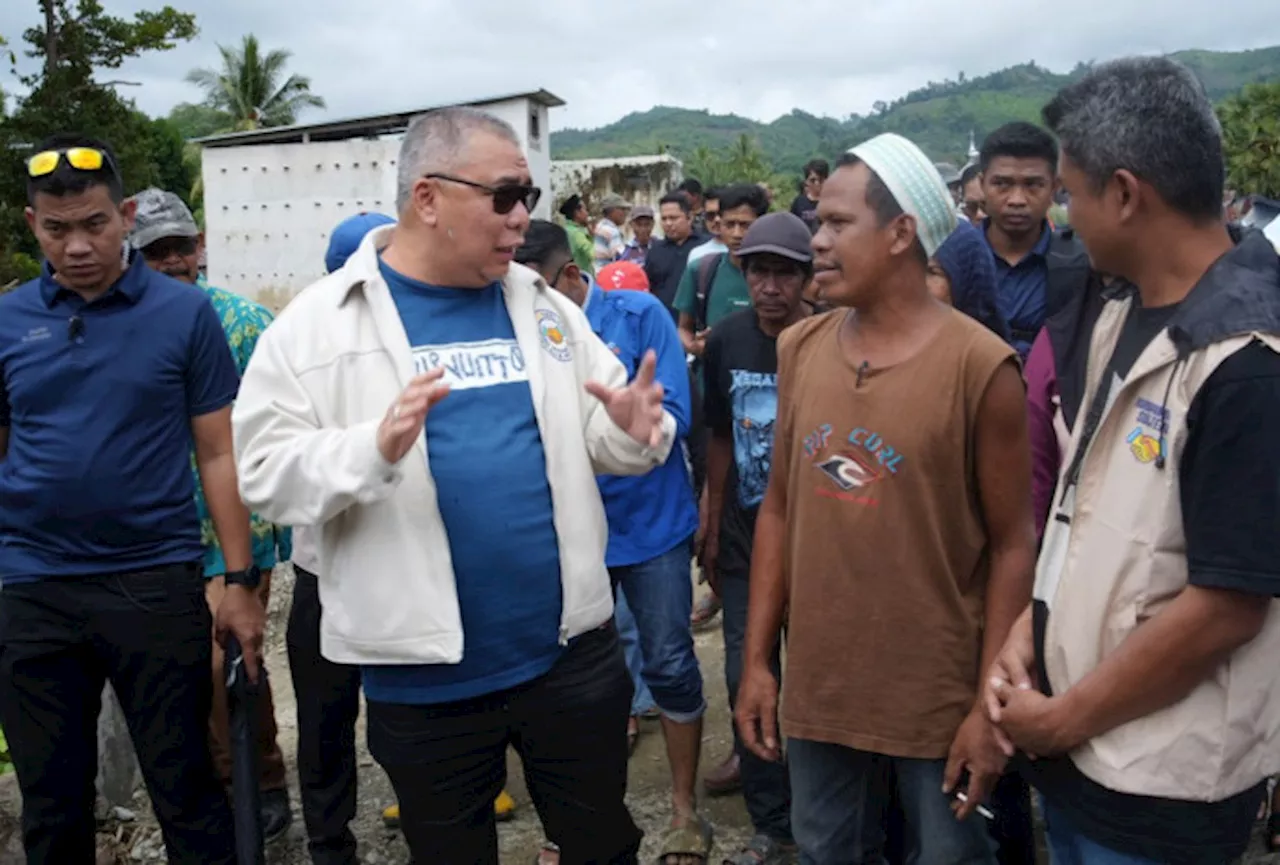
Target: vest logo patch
[[551, 331], [1144, 446]]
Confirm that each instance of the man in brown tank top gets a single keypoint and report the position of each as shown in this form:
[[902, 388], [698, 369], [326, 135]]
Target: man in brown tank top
[[896, 534]]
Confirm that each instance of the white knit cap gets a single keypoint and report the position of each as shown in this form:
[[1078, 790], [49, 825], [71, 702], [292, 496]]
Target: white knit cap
[[914, 183]]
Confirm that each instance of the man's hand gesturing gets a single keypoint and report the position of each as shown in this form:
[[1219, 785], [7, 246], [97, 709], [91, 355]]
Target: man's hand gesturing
[[401, 427]]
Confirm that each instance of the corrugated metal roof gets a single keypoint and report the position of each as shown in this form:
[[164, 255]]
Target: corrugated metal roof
[[358, 127]]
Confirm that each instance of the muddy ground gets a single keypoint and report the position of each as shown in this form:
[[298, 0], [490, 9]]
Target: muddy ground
[[136, 840]]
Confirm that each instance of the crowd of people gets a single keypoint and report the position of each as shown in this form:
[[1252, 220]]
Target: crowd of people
[[985, 503]]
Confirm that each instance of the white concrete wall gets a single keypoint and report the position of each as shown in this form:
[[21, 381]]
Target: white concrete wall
[[269, 208]]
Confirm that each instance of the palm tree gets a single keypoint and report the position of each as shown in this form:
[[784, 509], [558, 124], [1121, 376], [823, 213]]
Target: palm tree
[[250, 89]]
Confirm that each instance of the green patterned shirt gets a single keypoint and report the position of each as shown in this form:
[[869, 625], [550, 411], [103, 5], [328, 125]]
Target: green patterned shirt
[[243, 321]]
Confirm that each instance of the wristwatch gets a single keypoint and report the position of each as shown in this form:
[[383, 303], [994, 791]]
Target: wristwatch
[[250, 577]]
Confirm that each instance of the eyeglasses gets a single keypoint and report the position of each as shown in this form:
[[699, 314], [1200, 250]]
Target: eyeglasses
[[505, 195], [167, 246], [80, 158]]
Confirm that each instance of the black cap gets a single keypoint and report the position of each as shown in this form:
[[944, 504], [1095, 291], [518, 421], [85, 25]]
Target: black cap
[[780, 233], [572, 203]]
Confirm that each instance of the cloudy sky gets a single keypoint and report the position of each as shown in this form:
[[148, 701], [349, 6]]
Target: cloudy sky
[[759, 58]]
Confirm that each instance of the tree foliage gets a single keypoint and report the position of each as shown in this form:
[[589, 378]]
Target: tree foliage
[[252, 90], [939, 116], [75, 39], [1251, 138]]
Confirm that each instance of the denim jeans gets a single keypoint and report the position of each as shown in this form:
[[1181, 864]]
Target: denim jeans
[[629, 635], [766, 788], [1068, 847], [659, 593], [839, 798]]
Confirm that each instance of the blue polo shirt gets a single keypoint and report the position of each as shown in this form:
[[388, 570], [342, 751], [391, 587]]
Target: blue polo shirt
[[98, 398], [651, 514], [1021, 290], [484, 452]]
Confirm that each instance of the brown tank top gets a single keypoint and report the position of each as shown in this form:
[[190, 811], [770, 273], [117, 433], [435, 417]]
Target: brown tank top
[[886, 551]]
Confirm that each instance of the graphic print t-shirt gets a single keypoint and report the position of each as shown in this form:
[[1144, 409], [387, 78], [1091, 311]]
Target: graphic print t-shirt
[[741, 395], [486, 458], [886, 549]]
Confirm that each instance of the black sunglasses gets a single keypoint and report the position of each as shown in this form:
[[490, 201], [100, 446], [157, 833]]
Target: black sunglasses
[[505, 196]]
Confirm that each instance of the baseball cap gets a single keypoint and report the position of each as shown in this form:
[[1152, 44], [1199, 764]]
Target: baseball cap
[[622, 275], [160, 214], [782, 234], [349, 234], [612, 201], [641, 211]]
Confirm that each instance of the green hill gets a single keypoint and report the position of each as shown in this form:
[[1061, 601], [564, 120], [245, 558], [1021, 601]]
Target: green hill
[[938, 116]]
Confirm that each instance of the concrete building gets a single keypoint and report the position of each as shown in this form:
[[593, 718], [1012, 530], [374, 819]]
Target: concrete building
[[638, 179], [271, 196]]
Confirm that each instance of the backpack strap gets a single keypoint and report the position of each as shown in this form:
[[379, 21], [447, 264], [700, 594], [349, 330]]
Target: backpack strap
[[708, 265]]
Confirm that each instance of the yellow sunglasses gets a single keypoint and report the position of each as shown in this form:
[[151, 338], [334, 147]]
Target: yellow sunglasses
[[80, 158]]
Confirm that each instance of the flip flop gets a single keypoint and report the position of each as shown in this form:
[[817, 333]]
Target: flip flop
[[692, 838]]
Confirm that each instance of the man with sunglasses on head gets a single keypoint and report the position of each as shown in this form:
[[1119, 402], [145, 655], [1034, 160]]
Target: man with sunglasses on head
[[166, 234], [439, 415], [110, 376]]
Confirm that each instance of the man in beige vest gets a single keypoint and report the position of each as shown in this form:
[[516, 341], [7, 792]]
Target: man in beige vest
[[1143, 676]]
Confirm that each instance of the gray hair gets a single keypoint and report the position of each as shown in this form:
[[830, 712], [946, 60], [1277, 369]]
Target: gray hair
[[1149, 116], [434, 142]]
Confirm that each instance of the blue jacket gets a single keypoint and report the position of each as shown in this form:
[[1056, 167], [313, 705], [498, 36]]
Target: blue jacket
[[651, 514]]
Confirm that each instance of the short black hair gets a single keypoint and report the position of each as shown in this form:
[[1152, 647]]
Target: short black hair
[[881, 200], [570, 206], [972, 170], [1149, 116], [66, 180], [819, 167], [677, 198], [1020, 140], [544, 242], [744, 195], [691, 186], [712, 194]]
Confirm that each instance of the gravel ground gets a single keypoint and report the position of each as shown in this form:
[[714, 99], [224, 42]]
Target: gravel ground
[[136, 839]]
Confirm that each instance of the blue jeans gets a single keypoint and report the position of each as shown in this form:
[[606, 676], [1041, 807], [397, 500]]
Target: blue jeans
[[766, 789], [629, 636], [659, 593], [1068, 847], [839, 799]]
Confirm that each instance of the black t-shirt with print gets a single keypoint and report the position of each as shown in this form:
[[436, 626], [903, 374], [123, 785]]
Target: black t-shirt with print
[[1229, 467], [740, 387], [807, 209]]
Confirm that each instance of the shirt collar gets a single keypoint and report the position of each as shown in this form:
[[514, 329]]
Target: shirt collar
[[131, 284], [1042, 245]]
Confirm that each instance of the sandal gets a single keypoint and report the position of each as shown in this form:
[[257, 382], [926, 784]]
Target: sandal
[[633, 734], [548, 855], [689, 837], [705, 611], [763, 850]]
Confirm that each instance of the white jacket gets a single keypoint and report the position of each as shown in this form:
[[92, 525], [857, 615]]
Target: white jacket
[[306, 418]]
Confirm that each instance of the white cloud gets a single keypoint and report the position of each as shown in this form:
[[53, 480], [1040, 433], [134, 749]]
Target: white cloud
[[759, 58]]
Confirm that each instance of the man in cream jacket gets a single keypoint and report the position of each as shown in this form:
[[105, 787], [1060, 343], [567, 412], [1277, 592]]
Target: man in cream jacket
[[441, 414]]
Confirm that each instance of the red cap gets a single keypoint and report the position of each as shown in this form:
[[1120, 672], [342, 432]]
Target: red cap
[[623, 275]]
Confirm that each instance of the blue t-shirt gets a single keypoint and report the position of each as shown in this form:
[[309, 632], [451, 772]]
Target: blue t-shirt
[[1021, 291], [653, 513], [98, 398], [486, 458]]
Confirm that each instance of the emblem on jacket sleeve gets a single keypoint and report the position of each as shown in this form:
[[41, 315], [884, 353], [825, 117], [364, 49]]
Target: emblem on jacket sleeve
[[551, 331]]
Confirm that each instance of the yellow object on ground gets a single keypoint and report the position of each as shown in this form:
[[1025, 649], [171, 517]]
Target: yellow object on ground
[[504, 808]]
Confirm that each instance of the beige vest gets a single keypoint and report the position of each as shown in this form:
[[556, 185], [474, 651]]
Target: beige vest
[[1120, 558]]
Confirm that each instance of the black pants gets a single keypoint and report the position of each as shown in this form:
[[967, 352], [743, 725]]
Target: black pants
[[447, 762], [766, 787], [328, 697], [1012, 828], [148, 633]]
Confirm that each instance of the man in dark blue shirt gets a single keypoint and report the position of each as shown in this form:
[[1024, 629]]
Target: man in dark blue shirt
[[110, 376], [1019, 175], [668, 257]]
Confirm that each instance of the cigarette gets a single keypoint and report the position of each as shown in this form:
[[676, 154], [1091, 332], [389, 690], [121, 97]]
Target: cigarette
[[981, 809]]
